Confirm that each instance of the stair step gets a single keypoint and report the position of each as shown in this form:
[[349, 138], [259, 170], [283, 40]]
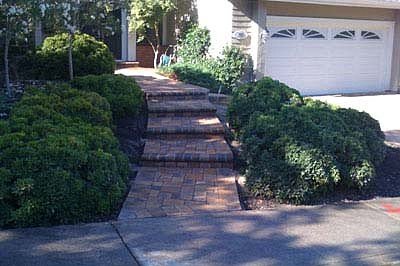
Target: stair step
[[180, 108], [206, 152], [168, 90], [127, 64], [195, 126]]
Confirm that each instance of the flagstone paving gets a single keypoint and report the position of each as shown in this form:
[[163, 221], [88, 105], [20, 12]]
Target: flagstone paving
[[186, 163]]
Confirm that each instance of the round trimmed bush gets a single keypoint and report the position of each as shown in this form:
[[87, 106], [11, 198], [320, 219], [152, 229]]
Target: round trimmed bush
[[301, 150], [89, 57], [123, 93], [59, 160]]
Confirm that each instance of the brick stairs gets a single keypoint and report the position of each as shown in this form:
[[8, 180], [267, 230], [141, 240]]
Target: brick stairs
[[186, 164]]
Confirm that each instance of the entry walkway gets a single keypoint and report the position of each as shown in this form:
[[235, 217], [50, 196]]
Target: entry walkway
[[186, 164]]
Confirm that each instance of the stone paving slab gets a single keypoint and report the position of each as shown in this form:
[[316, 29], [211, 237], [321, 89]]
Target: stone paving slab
[[184, 150], [175, 191], [92, 244], [348, 234], [184, 125]]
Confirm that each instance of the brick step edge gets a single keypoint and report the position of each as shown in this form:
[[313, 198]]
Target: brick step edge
[[181, 114], [178, 136], [177, 97], [190, 164], [187, 109], [186, 130], [188, 157]]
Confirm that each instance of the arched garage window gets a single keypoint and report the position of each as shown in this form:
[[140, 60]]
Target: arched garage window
[[312, 34], [284, 33], [345, 34], [369, 35]]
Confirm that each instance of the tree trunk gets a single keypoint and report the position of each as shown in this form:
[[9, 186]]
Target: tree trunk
[[6, 67], [70, 62], [155, 58]]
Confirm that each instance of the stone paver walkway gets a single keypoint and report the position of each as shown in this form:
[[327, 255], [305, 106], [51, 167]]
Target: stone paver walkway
[[186, 164]]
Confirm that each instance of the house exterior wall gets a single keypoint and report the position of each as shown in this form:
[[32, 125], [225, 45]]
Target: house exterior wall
[[217, 17]]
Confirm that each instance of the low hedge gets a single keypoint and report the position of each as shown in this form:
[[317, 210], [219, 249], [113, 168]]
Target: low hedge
[[123, 93], [196, 74], [299, 150], [220, 74], [50, 61], [59, 160]]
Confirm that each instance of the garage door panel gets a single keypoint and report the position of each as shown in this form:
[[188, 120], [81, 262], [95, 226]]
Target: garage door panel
[[313, 51], [313, 69], [282, 51], [344, 51], [330, 65]]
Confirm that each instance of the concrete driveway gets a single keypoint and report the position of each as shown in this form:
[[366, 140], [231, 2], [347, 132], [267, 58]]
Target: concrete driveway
[[384, 108], [365, 233]]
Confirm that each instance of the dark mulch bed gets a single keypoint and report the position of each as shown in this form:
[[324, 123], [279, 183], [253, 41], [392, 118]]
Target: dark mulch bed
[[130, 132], [387, 184]]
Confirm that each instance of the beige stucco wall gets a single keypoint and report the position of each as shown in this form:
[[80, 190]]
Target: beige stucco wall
[[326, 11], [217, 17]]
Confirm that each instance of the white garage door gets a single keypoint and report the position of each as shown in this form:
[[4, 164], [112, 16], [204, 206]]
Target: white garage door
[[326, 56]]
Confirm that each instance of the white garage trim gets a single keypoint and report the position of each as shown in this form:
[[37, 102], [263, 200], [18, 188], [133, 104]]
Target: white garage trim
[[320, 32]]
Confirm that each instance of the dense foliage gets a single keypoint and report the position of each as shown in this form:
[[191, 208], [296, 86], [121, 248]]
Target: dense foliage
[[222, 74], [50, 62], [230, 68], [124, 95], [195, 66], [194, 46], [197, 74], [59, 160], [301, 150]]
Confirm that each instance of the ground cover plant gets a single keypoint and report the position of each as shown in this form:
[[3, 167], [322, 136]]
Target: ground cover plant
[[59, 159], [298, 150]]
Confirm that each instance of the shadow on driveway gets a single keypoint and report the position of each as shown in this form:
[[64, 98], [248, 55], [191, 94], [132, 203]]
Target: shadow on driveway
[[91, 244], [349, 234]]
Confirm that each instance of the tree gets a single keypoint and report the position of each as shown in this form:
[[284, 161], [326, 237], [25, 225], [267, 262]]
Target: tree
[[73, 16], [146, 18], [16, 22]]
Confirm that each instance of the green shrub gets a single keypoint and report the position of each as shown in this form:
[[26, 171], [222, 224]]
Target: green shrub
[[59, 160], [124, 95], [194, 65], [193, 47], [50, 62], [230, 68], [264, 96], [199, 75], [301, 150], [218, 75]]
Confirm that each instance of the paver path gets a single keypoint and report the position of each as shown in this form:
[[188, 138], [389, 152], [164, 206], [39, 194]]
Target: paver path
[[186, 164]]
